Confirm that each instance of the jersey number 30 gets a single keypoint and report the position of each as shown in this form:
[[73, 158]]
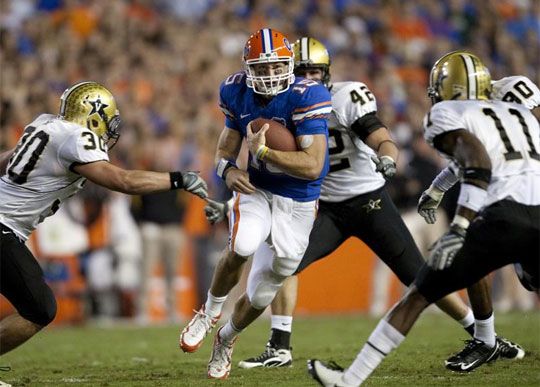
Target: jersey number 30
[[22, 148]]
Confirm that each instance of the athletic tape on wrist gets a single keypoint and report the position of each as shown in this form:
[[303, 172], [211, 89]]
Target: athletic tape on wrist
[[472, 197], [445, 180]]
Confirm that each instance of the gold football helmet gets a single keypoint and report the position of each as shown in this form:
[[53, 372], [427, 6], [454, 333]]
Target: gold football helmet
[[309, 53], [91, 105], [459, 75]]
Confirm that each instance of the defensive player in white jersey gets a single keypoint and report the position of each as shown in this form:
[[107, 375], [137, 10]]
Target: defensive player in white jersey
[[497, 222], [518, 89], [353, 199], [51, 162]]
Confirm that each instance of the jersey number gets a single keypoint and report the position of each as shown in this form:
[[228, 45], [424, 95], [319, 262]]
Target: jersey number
[[344, 162], [302, 86], [356, 96], [511, 153], [26, 142], [522, 89], [91, 141]]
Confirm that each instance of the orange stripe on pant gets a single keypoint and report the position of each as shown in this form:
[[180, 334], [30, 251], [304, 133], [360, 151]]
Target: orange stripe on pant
[[236, 211]]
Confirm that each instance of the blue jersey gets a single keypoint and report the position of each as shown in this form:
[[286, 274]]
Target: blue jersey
[[303, 109]]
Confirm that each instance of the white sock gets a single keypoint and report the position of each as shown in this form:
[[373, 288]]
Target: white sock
[[213, 305], [229, 332], [485, 330], [283, 323], [468, 320], [382, 341]]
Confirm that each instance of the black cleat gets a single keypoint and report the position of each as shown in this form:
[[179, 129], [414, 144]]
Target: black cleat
[[271, 357], [509, 350], [474, 354]]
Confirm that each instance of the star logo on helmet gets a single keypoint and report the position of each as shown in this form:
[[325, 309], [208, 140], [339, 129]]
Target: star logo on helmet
[[97, 107]]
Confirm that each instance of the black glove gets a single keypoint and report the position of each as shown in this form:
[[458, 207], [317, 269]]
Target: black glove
[[445, 249], [385, 165]]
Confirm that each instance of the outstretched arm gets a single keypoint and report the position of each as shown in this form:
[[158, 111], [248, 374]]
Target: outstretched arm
[[136, 182]]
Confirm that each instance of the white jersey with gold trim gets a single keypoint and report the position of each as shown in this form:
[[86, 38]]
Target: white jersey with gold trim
[[351, 172], [39, 176], [511, 135], [516, 88]]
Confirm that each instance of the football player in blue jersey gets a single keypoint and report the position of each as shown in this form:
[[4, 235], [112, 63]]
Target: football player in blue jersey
[[275, 200]]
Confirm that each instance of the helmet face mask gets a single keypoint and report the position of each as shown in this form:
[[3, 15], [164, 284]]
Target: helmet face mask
[[92, 106], [310, 54], [262, 52], [459, 75]]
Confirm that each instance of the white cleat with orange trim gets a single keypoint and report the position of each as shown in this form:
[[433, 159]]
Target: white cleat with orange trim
[[219, 365], [194, 333]]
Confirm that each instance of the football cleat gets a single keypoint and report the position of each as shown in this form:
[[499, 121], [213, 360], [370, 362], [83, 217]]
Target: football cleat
[[509, 350], [194, 333], [327, 374], [271, 357], [475, 353], [219, 365]]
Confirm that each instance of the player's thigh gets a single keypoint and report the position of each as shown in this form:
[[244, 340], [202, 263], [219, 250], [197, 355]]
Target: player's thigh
[[292, 222], [249, 224], [384, 232], [23, 284], [325, 237]]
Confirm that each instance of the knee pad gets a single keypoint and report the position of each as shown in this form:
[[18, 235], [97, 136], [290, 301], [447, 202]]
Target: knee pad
[[262, 294], [245, 247], [285, 267]]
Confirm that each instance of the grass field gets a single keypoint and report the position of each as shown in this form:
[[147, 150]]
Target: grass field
[[134, 356]]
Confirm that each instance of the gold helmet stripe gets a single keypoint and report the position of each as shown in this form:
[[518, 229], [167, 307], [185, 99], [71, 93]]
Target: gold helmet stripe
[[472, 87], [305, 49]]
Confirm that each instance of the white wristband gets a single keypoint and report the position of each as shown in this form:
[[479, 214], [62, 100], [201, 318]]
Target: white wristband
[[461, 221], [472, 197], [222, 166]]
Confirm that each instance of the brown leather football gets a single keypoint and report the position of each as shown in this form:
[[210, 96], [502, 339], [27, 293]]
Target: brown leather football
[[278, 137]]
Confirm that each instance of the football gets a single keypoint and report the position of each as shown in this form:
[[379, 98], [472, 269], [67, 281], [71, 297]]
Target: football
[[278, 137]]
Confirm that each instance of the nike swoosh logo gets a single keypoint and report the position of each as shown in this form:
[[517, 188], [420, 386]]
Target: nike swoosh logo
[[466, 367], [285, 324], [6, 232], [244, 115]]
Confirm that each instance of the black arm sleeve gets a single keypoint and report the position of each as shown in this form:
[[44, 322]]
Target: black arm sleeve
[[366, 125]]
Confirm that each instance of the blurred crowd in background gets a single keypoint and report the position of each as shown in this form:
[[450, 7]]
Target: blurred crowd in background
[[164, 60]]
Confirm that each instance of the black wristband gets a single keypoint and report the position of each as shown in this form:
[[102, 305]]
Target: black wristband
[[176, 180], [470, 174]]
